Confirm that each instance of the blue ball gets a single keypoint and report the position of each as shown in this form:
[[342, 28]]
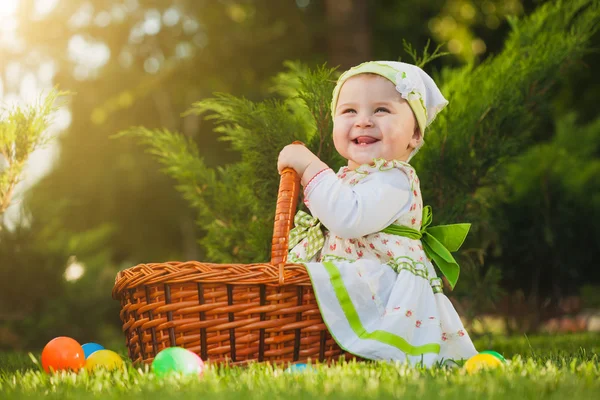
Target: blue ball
[[90, 348], [298, 368]]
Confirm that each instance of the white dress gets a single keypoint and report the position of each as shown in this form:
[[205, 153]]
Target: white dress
[[378, 293]]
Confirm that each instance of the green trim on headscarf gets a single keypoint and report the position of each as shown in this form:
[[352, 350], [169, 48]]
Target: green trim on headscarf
[[388, 72]]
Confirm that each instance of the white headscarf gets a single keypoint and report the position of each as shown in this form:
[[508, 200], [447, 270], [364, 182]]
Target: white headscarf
[[413, 84]]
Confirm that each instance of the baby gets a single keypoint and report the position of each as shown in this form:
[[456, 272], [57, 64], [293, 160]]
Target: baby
[[372, 270]]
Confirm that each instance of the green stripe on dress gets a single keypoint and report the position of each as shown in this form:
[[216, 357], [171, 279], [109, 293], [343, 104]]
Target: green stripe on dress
[[384, 337]]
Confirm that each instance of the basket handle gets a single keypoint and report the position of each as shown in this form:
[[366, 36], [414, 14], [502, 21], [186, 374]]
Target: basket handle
[[287, 199]]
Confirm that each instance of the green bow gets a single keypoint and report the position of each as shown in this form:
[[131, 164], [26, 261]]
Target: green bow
[[438, 242], [307, 226]]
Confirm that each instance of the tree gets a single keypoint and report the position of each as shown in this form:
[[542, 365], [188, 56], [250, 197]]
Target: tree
[[152, 76], [545, 213], [22, 131]]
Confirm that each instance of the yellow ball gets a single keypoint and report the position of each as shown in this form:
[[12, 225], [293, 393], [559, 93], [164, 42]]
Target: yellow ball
[[482, 361], [103, 359]]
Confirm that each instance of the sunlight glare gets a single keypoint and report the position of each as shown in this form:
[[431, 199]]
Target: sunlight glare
[[74, 270], [8, 9], [43, 7]]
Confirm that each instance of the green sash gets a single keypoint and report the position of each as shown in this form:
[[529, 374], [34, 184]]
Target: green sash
[[438, 242]]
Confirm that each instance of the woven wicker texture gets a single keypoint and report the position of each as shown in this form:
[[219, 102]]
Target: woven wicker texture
[[228, 313]]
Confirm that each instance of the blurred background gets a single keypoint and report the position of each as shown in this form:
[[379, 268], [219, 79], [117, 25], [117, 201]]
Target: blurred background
[[91, 205]]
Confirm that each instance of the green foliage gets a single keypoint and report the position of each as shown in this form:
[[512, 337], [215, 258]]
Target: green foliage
[[21, 133], [497, 107], [590, 296], [235, 203], [552, 193], [569, 367], [209, 46], [496, 110], [38, 302], [220, 196], [426, 58]]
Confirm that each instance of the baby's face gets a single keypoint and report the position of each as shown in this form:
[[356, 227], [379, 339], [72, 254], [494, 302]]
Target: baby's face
[[373, 121]]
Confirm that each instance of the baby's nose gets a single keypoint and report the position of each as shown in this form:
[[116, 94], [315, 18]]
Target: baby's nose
[[364, 121]]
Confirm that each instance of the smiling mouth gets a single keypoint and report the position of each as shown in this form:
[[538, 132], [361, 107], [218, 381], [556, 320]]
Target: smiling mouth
[[365, 140]]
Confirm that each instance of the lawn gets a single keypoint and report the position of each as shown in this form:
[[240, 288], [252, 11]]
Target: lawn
[[553, 367]]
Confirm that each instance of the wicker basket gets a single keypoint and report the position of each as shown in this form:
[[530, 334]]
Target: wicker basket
[[228, 313]]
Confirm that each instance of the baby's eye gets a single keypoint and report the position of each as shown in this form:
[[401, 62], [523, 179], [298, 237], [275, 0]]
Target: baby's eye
[[349, 110], [382, 109]]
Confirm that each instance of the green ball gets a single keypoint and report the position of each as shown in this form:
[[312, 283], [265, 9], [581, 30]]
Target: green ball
[[494, 353], [177, 360]]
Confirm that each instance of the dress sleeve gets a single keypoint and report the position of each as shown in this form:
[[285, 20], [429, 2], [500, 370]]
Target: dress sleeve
[[375, 202]]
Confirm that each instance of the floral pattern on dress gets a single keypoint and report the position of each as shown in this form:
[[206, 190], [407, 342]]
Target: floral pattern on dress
[[377, 246]]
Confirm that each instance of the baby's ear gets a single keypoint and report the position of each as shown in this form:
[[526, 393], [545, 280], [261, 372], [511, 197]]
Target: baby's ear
[[417, 137]]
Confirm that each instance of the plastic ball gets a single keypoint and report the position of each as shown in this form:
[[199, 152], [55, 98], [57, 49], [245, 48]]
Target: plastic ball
[[63, 353], [90, 348], [177, 360], [106, 359], [494, 353], [482, 361], [298, 368]]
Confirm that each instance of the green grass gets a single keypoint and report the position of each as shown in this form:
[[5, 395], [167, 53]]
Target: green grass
[[553, 367]]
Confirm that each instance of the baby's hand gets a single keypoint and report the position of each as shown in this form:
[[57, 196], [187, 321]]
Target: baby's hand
[[298, 157], [295, 156]]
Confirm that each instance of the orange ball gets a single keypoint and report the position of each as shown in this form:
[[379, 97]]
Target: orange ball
[[63, 353]]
